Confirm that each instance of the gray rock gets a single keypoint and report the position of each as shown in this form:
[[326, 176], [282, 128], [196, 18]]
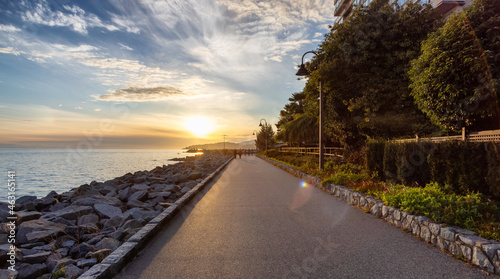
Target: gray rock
[[124, 194], [480, 259], [138, 196], [88, 219], [99, 255], [96, 199], [107, 211], [68, 244], [113, 222], [55, 262], [72, 212], [31, 271], [25, 199], [132, 224], [195, 175], [71, 271], [108, 243], [36, 258], [85, 190], [82, 263], [491, 249], [470, 240], [137, 204], [448, 233], [376, 210], [23, 216], [45, 235], [139, 214], [141, 187], [435, 228], [37, 226], [45, 202], [466, 251], [52, 194], [185, 189], [425, 234], [8, 274], [163, 187], [81, 250]]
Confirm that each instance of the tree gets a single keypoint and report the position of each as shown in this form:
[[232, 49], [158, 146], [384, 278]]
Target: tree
[[455, 80], [265, 137], [364, 65], [295, 126]]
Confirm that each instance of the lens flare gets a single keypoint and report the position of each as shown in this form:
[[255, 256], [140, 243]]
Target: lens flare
[[303, 184]]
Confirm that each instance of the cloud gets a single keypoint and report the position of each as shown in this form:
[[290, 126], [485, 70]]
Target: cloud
[[10, 50], [125, 47], [9, 28], [134, 94], [72, 17]]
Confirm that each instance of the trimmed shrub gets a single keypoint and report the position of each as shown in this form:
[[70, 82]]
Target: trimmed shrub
[[375, 156], [465, 166]]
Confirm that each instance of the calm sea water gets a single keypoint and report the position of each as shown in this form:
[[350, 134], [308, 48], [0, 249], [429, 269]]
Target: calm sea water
[[40, 171]]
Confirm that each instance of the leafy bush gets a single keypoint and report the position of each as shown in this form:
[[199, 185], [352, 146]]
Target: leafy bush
[[468, 211]]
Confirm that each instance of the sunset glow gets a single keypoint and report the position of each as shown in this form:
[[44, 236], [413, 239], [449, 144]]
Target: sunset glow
[[199, 126]]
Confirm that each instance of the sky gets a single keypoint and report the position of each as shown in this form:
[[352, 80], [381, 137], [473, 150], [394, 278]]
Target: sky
[[150, 73]]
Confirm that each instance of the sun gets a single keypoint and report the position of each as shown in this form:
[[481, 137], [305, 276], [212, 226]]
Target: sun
[[199, 126]]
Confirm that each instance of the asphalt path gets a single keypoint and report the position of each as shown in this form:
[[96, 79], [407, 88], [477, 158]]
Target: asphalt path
[[257, 221]]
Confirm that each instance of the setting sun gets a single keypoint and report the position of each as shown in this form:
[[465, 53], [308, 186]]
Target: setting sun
[[199, 126]]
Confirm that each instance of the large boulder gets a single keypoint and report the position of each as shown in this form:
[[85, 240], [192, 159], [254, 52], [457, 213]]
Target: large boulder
[[124, 194], [88, 219], [72, 212], [38, 229], [107, 211], [96, 199], [139, 196], [81, 250], [31, 271]]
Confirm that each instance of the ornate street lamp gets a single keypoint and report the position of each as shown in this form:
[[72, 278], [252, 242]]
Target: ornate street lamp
[[304, 72]]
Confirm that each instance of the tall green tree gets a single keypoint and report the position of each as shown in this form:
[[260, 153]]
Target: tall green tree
[[295, 126], [456, 79], [265, 137], [364, 65]]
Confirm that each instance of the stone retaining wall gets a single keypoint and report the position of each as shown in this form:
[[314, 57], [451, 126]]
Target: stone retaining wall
[[461, 243]]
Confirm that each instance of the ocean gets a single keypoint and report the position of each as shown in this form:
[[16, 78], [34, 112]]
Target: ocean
[[39, 171]]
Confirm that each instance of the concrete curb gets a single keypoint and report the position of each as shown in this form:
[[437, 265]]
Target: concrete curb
[[113, 263], [480, 252]]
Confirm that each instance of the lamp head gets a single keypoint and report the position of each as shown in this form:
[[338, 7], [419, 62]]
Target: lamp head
[[302, 71]]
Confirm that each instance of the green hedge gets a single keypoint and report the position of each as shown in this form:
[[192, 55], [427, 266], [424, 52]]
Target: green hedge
[[465, 166]]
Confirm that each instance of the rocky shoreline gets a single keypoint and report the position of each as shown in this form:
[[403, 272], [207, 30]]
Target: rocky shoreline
[[64, 235]]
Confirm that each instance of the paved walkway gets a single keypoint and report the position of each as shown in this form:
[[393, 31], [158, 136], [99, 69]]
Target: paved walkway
[[257, 221]]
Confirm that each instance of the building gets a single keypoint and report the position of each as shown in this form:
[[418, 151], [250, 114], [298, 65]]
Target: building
[[343, 8]]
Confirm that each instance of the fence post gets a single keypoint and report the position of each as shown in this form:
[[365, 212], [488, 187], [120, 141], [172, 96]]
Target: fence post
[[463, 134]]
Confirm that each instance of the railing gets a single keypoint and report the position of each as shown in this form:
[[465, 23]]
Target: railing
[[482, 136], [328, 152]]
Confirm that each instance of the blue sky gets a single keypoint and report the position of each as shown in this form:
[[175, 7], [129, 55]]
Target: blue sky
[[149, 74]]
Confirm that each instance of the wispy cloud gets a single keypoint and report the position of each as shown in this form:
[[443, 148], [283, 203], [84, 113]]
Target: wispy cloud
[[9, 28], [134, 94], [72, 17]]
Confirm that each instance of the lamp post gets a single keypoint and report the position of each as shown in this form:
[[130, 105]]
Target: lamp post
[[255, 134], [265, 134], [304, 72]]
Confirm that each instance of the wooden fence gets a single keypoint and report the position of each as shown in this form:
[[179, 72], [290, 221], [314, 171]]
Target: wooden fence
[[482, 136], [329, 151]]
